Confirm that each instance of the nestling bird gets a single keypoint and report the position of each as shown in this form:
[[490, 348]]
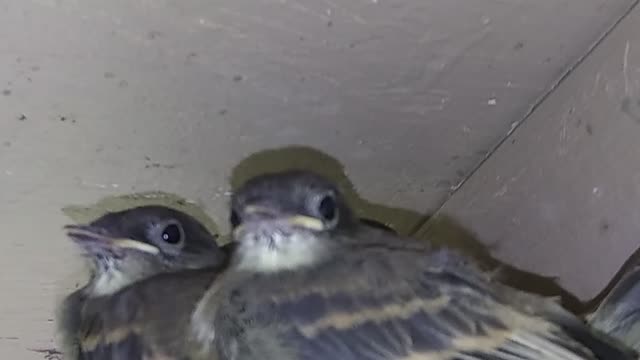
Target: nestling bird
[[618, 314], [150, 267], [308, 282], [120, 313]]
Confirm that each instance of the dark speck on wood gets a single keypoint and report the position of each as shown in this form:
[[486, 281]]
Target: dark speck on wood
[[6, 92], [154, 34], [192, 56], [519, 45], [589, 129], [158, 165], [67, 118], [237, 78], [22, 117]]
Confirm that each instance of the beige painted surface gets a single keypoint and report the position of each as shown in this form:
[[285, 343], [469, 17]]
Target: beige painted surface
[[562, 195], [105, 98]]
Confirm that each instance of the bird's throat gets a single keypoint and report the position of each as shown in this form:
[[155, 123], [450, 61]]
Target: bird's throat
[[108, 282], [280, 254]]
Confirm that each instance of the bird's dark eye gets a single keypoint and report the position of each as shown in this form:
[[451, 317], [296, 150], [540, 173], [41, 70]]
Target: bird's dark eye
[[172, 234], [327, 208], [234, 219]]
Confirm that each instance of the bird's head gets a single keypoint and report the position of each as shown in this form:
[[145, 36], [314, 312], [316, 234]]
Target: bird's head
[[286, 220], [141, 242]]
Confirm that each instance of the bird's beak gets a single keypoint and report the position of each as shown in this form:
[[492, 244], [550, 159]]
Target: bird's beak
[[263, 213], [306, 222], [260, 211], [89, 234]]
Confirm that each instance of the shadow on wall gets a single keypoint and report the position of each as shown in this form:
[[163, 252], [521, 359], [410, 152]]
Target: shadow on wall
[[632, 262], [443, 231], [440, 230]]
